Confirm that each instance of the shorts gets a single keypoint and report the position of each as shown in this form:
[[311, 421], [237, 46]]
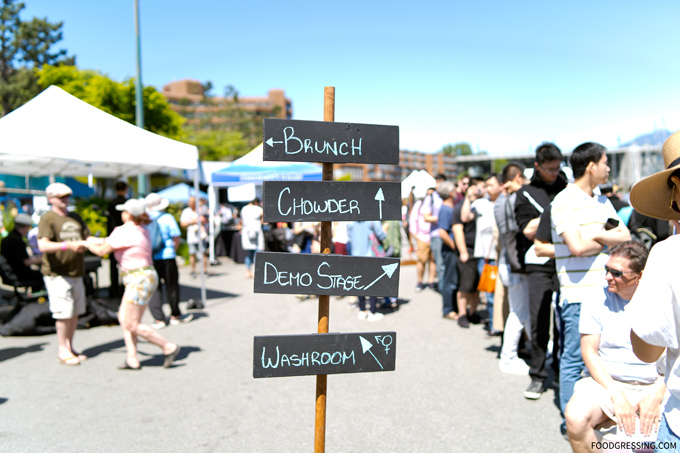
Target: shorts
[[468, 275], [193, 248], [66, 296], [423, 251], [591, 390], [140, 284]]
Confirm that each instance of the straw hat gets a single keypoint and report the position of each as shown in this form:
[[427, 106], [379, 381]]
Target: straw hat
[[155, 202], [651, 196], [133, 206]]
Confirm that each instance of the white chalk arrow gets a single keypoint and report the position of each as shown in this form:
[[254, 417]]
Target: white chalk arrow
[[366, 346], [271, 142], [388, 270], [380, 198]]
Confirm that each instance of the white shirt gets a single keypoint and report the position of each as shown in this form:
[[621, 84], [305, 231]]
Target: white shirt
[[654, 313], [484, 243], [574, 210]]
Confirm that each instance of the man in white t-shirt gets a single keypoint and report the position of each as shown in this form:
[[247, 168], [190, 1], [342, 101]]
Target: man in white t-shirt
[[194, 224], [579, 218]]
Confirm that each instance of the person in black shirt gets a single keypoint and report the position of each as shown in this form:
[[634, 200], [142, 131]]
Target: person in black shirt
[[13, 248], [114, 219]]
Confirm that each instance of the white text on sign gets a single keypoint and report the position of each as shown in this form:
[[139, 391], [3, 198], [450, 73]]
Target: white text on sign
[[294, 145]]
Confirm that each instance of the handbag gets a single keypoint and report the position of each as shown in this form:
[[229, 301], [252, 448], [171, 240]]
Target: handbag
[[487, 281]]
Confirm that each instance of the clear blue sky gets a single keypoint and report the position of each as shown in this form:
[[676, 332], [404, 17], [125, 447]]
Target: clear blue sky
[[502, 76]]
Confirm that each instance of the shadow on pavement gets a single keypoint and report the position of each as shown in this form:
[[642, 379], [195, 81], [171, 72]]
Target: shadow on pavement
[[157, 360], [192, 292], [106, 347], [3, 400], [11, 353]]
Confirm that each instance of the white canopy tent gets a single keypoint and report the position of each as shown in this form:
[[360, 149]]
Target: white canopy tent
[[420, 181], [57, 134]]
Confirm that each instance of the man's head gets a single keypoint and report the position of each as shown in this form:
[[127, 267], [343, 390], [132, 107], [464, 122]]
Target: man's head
[[463, 183], [445, 189], [513, 171], [624, 268], [589, 159], [58, 195], [493, 187], [548, 162], [192, 203], [23, 223], [121, 188], [439, 178]]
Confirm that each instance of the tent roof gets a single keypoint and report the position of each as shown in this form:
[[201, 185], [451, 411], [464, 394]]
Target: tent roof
[[180, 193], [252, 168], [56, 133]]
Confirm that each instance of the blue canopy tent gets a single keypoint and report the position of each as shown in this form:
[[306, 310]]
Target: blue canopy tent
[[180, 193]]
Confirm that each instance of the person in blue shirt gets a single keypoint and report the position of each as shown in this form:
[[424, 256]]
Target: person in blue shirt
[[362, 244], [165, 262]]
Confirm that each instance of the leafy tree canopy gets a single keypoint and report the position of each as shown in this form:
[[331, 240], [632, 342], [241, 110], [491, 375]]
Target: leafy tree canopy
[[24, 46], [459, 149], [115, 98]]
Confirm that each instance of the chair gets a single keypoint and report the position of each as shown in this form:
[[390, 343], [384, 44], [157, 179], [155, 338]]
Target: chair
[[22, 288]]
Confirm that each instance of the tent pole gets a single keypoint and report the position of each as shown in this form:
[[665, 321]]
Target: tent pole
[[211, 206], [201, 249]]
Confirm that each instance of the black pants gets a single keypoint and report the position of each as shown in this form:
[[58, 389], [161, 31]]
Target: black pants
[[168, 278], [116, 290], [542, 285]]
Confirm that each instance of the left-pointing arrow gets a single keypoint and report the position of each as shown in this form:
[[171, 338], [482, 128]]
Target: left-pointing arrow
[[271, 142]]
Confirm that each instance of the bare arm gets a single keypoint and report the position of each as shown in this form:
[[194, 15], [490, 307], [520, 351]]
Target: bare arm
[[624, 411], [446, 239], [644, 351], [544, 249], [613, 237], [466, 213], [100, 249], [459, 238], [579, 246], [531, 228], [47, 246], [32, 260], [175, 242]]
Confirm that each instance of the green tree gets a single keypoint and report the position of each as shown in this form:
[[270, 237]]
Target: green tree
[[221, 128], [459, 149], [115, 98], [25, 46]]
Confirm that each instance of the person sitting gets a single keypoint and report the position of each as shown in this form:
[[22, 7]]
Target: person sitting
[[13, 248], [619, 386]]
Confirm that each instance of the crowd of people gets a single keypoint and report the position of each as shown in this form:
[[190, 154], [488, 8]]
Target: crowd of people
[[551, 265]]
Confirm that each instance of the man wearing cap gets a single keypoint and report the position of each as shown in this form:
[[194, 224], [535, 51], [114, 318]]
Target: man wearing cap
[[14, 250], [61, 239], [165, 261]]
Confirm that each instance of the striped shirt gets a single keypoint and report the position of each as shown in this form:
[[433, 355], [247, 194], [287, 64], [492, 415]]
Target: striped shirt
[[572, 210]]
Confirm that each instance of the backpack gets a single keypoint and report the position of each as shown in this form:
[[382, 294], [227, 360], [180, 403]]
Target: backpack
[[157, 240]]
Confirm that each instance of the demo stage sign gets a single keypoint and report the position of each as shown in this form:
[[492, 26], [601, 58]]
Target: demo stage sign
[[304, 355], [286, 201], [320, 274], [321, 141]]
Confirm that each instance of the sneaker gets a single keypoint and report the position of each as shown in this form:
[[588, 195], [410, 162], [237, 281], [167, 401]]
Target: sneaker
[[463, 321], [432, 286], [373, 317], [563, 430], [420, 287], [181, 320], [362, 315], [514, 366], [158, 325], [533, 392], [474, 318]]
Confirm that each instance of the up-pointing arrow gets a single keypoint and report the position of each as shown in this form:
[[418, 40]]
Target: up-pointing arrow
[[366, 346], [388, 270], [380, 198]]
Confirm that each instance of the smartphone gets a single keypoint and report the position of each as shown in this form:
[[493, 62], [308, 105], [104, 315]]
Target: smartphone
[[611, 224]]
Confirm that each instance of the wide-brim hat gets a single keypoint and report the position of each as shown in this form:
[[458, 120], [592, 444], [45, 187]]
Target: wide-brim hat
[[133, 206], [651, 196], [156, 203]]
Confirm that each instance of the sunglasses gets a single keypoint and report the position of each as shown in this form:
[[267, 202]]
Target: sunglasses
[[616, 273]]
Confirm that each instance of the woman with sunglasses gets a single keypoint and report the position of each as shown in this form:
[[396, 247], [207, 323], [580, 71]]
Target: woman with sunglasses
[[618, 386], [655, 309], [131, 245]]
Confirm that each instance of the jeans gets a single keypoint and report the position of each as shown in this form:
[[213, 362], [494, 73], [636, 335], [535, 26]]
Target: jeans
[[571, 362], [373, 301], [489, 296], [436, 248], [448, 281], [518, 318], [666, 436], [250, 258]]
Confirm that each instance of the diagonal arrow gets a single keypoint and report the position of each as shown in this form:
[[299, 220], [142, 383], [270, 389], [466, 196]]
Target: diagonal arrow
[[366, 346], [388, 270], [271, 142], [380, 198]]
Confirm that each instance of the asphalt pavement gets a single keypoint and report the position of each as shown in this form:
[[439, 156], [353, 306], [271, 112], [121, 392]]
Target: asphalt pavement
[[446, 394]]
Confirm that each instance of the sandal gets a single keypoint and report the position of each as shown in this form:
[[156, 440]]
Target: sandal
[[80, 356], [126, 366], [70, 361], [169, 358]]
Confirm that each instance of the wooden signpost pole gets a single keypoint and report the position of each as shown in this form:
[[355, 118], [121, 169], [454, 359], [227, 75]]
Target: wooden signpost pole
[[324, 301]]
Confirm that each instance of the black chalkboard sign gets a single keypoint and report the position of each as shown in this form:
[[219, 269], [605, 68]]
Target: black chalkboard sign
[[334, 275], [327, 353], [321, 141], [316, 201]]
